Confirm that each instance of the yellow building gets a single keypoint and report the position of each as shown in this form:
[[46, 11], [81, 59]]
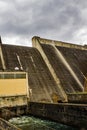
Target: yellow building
[[13, 88]]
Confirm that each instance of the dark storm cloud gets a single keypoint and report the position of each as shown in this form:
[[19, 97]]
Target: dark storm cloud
[[55, 19]]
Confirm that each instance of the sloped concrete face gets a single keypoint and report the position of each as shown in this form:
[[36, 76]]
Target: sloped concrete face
[[42, 87], [68, 80], [56, 72], [54, 68], [69, 62], [77, 59], [62, 93]]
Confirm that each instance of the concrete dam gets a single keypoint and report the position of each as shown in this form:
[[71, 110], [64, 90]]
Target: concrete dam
[[47, 80]]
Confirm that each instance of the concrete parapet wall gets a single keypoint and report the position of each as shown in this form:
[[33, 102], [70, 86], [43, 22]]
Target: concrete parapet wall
[[60, 43], [69, 114], [66, 113]]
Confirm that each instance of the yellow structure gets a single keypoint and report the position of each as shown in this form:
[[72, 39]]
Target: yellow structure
[[13, 86]]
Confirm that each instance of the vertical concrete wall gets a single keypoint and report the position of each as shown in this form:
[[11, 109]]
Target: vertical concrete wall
[[70, 114]]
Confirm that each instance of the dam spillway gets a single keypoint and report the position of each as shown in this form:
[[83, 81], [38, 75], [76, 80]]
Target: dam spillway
[[49, 81]]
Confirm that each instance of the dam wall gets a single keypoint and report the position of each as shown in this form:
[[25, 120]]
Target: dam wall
[[66, 63], [50, 78], [42, 86], [70, 114], [66, 113], [54, 71]]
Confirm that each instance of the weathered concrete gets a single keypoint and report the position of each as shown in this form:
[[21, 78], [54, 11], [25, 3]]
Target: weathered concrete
[[41, 83], [1, 57], [68, 67], [60, 43], [49, 80], [66, 113], [77, 98], [76, 60], [10, 101], [36, 44]]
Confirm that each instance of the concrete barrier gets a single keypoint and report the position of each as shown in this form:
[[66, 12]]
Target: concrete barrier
[[66, 113]]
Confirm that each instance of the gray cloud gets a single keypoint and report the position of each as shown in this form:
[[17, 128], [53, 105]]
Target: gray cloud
[[62, 20]]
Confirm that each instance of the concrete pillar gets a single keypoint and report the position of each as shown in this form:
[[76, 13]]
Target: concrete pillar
[[1, 55]]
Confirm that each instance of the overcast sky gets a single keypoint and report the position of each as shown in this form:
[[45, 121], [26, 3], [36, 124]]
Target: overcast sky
[[63, 20]]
